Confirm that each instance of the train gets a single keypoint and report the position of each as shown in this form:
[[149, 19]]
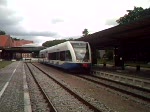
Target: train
[[73, 56]]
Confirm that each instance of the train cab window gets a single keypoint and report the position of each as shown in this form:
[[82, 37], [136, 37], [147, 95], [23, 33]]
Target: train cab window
[[68, 56], [81, 51]]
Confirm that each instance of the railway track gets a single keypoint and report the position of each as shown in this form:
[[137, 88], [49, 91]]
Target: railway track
[[134, 91], [49, 103], [79, 98], [127, 89]]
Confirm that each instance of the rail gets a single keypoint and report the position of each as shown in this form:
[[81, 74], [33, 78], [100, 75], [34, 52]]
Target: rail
[[52, 108], [95, 109]]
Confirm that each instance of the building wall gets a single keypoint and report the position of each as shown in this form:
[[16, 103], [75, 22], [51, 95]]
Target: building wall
[[6, 41], [26, 55]]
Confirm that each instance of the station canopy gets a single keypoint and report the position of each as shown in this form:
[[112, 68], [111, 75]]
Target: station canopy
[[32, 47], [136, 34]]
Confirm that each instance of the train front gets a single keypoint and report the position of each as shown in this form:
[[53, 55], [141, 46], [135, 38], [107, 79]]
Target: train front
[[82, 53]]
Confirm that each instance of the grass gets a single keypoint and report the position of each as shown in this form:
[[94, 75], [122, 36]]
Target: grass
[[4, 63]]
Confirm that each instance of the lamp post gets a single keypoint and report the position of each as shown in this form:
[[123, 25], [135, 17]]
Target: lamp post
[[0, 55]]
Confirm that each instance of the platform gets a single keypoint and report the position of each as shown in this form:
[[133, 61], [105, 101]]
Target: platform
[[14, 96], [127, 76]]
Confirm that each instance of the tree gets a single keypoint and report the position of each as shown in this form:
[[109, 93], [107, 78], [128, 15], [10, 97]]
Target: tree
[[85, 32], [15, 39], [2, 32], [109, 54], [70, 39], [55, 42], [134, 15]]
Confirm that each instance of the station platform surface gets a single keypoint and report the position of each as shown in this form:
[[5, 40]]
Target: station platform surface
[[14, 96], [128, 70]]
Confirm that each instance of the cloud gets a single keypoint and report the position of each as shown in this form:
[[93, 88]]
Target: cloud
[[10, 22], [111, 22], [8, 17], [22, 33], [43, 20], [54, 21], [3, 2]]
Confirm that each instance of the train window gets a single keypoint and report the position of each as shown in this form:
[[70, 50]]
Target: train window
[[81, 51], [57, 55], [86, 57], [78, 45], [49, 56], [68, 56], [53, 56], [62, 55]]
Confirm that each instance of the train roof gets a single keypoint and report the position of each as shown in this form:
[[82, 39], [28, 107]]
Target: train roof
[[63, 43]]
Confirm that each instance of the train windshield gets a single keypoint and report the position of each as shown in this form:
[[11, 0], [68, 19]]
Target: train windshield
[[81, 51]]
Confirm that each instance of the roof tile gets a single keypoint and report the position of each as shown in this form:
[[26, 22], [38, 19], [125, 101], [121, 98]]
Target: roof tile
[[7, 41]]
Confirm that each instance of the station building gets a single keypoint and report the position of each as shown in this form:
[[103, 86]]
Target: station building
[[17, 49]]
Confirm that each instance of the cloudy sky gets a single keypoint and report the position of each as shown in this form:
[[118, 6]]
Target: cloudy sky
[[43, 20]]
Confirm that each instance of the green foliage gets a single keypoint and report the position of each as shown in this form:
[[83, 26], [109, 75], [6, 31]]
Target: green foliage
[[4, 63], [85, 32], [134, 15], [70, 39], [109, 55], [55, 42], [15, 39], [2, 32], [98, 54]]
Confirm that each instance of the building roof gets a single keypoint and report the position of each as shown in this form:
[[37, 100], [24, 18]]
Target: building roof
[[30, 45], [7, 41], [19, 43]]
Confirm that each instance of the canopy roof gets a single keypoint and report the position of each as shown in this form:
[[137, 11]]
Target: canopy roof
[[30, 45], [133, 34]]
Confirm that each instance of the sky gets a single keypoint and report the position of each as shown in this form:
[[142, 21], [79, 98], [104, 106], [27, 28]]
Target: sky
[[44, 20]]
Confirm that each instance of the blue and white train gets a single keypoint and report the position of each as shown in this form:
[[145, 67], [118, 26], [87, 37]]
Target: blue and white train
[[72, 56]]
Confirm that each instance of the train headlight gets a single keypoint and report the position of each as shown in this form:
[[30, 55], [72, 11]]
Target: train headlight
[[79, 60]]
